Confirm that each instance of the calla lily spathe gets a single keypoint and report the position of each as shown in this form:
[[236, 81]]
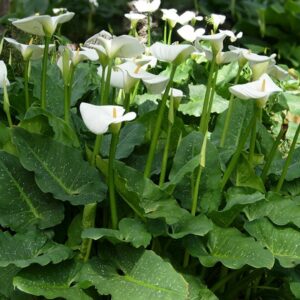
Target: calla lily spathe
[[260, 89], [134, 18], [29, 52], [43, 25], [175, 54], [147, 6], [216, 20], [123, 46], [98, 118], [188, 33], [3, 75]]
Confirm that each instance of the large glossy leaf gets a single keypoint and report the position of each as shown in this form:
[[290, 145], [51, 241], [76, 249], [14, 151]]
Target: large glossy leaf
[[195, 105], [184, 169], [283, 243], [62, 132], [6, 277], [230, 247], [130, 230], [53, 281], [197, 290], [280, 210], [23, 250], [59, 169], [132, 135], [22, 204], [134, 274]]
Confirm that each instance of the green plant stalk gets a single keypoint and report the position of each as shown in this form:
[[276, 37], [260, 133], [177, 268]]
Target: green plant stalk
[[149, 29], [159, 119], [126, 102], [96, 149], [221, 283], [111, 185], [236, 155], [230, 109], [107, 83], [102, 86], [26, 89], [196, 5], [288, 161], [271, 155], [232, 7], [69, 94], [88, 221], [165, 156], [165, 32], [134, 93], [170, 35], [207, 96], [257, 114], [44, 73], [6, 105]]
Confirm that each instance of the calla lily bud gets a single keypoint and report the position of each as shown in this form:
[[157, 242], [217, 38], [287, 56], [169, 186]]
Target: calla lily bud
[[3, 75]]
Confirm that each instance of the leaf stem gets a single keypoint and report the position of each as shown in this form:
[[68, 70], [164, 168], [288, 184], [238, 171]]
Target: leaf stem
[[44, 73], [288, 160], [102, 85], [170, 35], [26, 89], [127, 102], [159, 119], [149, 29], [107, 83], [111, 185], [272, 153], [229, 111]]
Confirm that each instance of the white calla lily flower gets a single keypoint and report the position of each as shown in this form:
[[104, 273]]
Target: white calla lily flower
[[175, 54], [188, 33], [147, 6], [134, 18], [170, 16], [175, 94], [260, 89], [77, 56], [43, 25], [3, 75], [98, 118], [277, 72], [233, 37], [115, 46], [189, 16], [216, 20], [30, 51]]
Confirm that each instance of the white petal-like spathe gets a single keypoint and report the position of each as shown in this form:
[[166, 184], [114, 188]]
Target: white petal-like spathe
[[188, 33], [171, 16], [156, 84], [216, 41], [175, 54], [145, 6], [43, 25], [3, 74], [259, 89], [98, 118], [134, 17], [278, 72], [217, 20]]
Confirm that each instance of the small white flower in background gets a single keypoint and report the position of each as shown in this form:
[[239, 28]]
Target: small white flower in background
[[134, 18], [189, 16], [175, 54], [94, 3], [277, 72], [233, 37], [170, 16], [43, 25], [144, 61], [260, 89], [59, 10], [146, 6], [216, 20], [115, 46], [30, 51], [188, 33], [3, 75], [175, 94], [98, 118]]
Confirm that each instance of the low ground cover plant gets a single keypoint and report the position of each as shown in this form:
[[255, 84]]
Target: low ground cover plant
[[147, 166]]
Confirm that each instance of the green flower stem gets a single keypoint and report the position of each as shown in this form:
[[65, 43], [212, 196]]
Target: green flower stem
[[26, 89], [107, 83], [96, 150], [170, 35], [149, 29], [236, 155], [102, 85], [159, 119], [288, 160], [165, 32], [165, 156], [44, 73], [257, 114], [211, 98], [229, 111], [111, 185], [207, 96], [88, 221], [134, 93], [196, 5], [68, 93], [126, 102], [272, 153], [6, 105]]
